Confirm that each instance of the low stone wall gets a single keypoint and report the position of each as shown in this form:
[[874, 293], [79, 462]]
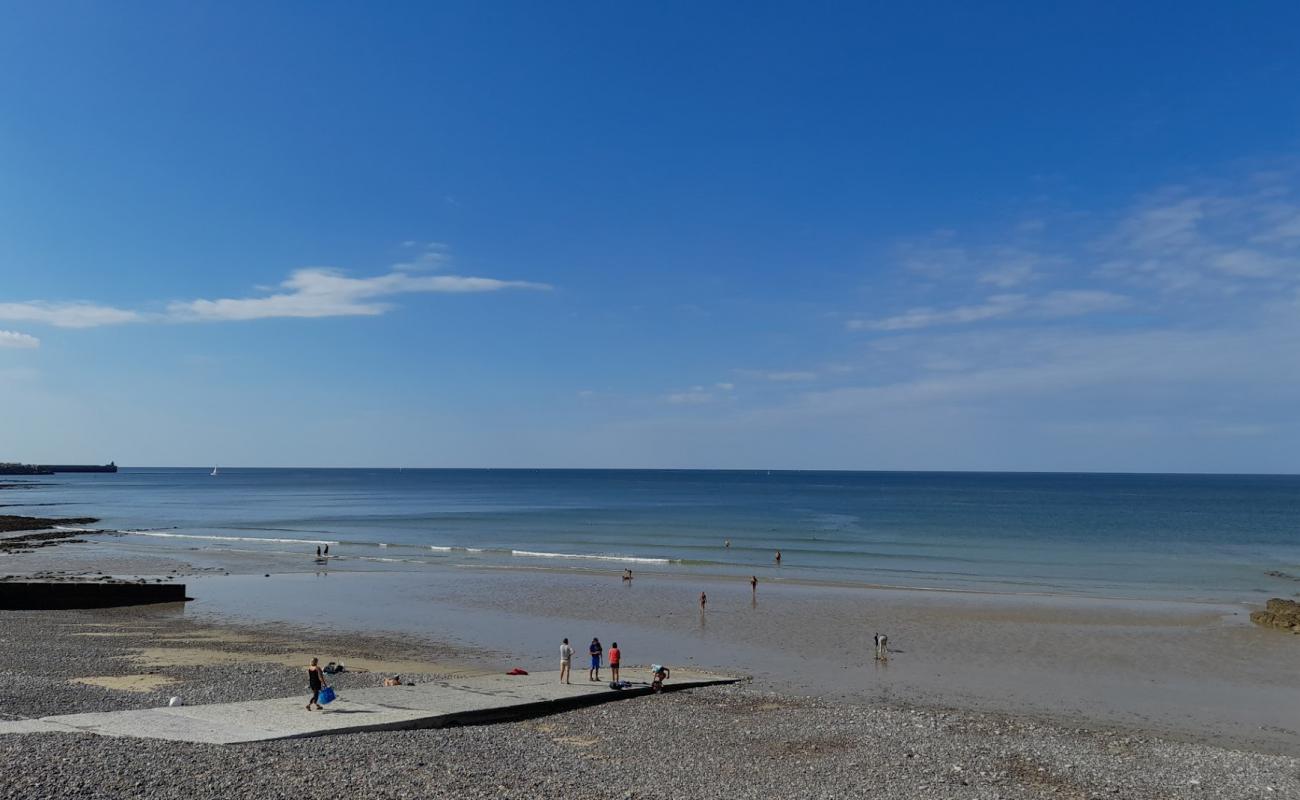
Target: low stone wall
[[27, 595], [1279, 613]]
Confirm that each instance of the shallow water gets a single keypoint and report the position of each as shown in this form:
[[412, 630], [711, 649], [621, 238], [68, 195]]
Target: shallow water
[[1159, 536]]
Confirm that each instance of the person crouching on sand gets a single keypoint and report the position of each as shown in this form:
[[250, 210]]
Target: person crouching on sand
[[566, 661], [316, 681], [658, 676], [596, 651]]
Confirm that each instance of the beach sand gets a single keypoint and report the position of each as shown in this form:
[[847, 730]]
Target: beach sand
[[725, 742], [1187, 670]]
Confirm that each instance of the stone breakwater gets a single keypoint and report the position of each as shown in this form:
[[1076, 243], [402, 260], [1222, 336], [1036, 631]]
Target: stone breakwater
[[10, 523], [1279, 613]]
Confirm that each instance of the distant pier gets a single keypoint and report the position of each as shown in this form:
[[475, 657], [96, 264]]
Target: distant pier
[[51, 469]]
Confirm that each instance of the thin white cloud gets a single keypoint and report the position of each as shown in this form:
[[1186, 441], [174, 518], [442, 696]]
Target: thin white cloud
[[791, 376], [18, 340], [427, 255], [695, 397], [1052, 305], [1002, 305], [67, 315], [307, 293], [1221, 240], [1077, 303], [316, 292]]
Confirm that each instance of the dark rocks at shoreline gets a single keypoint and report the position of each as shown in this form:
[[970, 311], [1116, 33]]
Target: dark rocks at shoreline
[[13, 522], [1279, 613], [35, 532]]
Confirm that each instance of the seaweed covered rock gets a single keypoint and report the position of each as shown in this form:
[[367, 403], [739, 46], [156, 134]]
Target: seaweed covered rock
[[1279, 613]]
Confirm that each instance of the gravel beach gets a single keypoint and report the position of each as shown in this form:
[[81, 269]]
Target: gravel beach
[[718, 742]]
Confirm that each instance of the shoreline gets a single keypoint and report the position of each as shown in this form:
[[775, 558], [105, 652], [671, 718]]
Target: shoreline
[[234, 560]]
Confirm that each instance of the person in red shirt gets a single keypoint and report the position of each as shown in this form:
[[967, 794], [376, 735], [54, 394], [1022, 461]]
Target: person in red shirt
[[615, 655]]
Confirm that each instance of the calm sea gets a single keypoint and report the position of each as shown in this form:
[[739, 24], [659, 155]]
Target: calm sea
[[1175, 536]]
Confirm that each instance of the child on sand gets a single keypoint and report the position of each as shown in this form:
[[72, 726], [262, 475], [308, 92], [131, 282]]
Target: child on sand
[[566, 661], [615, 656], [596, 650]]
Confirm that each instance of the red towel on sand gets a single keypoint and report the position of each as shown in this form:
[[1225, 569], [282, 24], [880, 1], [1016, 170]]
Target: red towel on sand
[[517, 671]]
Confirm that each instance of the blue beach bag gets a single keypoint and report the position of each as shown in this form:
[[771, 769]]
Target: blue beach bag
[[326, 695]]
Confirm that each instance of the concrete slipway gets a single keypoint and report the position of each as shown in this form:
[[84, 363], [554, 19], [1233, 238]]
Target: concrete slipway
[[465, 701]]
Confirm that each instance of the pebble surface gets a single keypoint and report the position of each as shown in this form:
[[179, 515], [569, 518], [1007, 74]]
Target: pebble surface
[[731, 742]]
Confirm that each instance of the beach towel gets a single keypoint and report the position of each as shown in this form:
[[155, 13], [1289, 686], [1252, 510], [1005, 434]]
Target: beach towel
[[326, 696], [517, 671]]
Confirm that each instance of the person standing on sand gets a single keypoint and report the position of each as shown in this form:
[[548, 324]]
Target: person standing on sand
[[318, 551], [882, 647], [753, 584], [615, 656], [704, 599], [778, 557], [316, 681], [596, 650], [566, 661]]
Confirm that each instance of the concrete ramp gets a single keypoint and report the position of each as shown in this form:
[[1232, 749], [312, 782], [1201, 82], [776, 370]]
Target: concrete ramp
[[467, 701]]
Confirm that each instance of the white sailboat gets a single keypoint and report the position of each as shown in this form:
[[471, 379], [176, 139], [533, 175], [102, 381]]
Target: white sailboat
[[214, 472]]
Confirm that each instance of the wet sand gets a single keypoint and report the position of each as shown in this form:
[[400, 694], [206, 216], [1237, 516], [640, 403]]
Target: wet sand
[[1191, 671]]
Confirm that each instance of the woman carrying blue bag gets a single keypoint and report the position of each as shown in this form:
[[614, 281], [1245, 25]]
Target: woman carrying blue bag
[[320, 690]]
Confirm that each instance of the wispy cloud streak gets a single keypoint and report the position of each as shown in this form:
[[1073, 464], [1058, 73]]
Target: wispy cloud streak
[[319, 292]]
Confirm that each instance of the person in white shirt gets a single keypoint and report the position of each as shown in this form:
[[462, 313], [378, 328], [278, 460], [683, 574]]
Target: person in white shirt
[[566, 659], [882, 647]]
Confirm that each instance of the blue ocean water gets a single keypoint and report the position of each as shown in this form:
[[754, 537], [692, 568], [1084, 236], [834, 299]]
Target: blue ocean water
[[1176, 536]]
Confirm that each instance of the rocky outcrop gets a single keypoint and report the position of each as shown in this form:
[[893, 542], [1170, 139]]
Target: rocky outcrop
[[1279, 613]]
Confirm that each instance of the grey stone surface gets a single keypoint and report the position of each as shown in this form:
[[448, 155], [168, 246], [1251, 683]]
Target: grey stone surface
[[458, 701]]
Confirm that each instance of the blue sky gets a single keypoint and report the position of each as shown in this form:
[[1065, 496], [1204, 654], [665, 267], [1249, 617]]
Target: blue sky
[[859, 236]]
